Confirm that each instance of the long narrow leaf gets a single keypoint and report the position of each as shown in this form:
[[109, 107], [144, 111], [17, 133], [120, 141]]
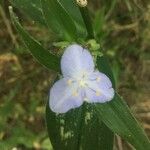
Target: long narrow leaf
[[58, 19], [72, 8], [117, 116], [42, 56], [31, 8], [78, 129]]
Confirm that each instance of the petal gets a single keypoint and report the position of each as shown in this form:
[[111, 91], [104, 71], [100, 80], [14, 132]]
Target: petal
[[100, 78], [99, 88], [62, 97], [93, 97], [75, 61]]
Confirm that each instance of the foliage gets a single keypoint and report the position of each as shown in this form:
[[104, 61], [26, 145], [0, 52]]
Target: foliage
[[113, 53]]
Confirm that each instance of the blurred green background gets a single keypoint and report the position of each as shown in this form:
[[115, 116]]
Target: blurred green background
[[124, 31]]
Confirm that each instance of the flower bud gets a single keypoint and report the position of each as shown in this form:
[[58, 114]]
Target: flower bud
[[82, 3]]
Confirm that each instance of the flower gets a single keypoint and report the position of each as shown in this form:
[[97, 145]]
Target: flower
[[80, 82]]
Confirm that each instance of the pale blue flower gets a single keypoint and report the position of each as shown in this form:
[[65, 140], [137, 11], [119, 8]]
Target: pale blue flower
[[80, 82]]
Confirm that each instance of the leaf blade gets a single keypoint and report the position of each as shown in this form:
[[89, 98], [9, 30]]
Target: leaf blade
[[31, 8], [47, 59], [117, 116], [85, 133], [73, 10], [58, 19]]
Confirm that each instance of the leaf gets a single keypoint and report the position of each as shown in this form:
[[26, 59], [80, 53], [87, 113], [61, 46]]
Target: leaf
[[117, 116], [78, 129], [103, 66], [58, 19], [73, 10], [31, 8], [42, 56]]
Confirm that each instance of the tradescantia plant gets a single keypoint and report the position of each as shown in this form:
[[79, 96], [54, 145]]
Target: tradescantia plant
[[84, 110]]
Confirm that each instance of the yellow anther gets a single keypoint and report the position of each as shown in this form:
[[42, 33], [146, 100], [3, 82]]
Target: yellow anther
[[82, 83], [69, 82], [98, 93], [75, 93], [98, 79], [82, 3]]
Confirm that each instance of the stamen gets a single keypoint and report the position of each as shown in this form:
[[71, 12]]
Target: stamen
[[98, 79], [82, 83], [75, 93], [69, 82], [98, 93]]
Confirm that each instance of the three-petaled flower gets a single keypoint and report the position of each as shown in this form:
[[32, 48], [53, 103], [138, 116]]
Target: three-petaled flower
[[80, 82]]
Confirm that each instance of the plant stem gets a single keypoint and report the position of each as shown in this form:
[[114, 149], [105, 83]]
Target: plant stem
[[87, 20]]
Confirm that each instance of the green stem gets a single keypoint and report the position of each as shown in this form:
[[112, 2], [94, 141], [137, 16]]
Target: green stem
[[87, 20]]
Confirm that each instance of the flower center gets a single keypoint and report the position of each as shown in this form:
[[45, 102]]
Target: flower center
[[82, 83], [83, 80]]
